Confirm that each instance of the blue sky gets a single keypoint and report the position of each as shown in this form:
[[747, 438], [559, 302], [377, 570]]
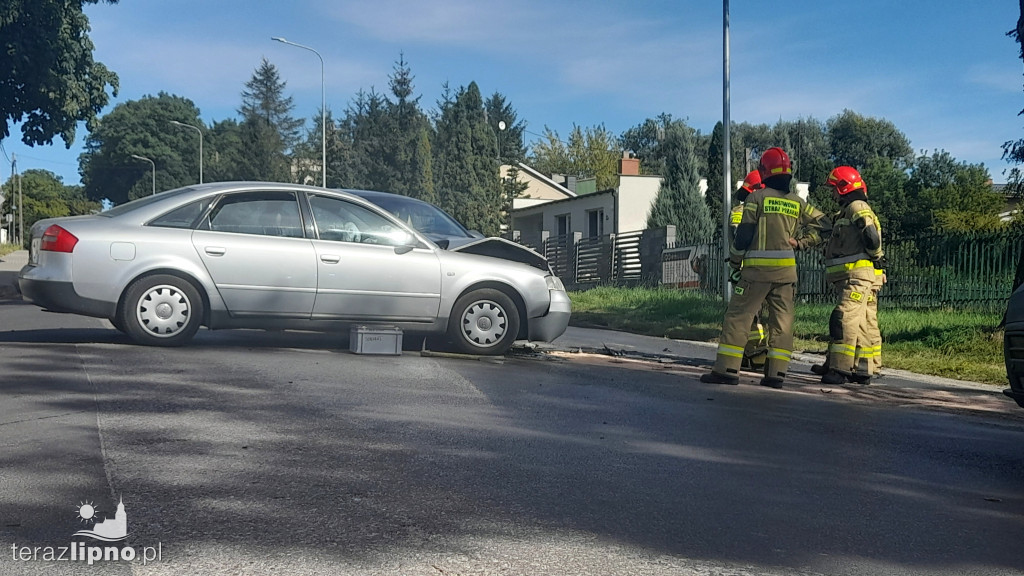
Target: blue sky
[[944, 73]]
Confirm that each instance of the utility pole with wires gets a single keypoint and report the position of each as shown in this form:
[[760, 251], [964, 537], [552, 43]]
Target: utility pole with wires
[[14, 207]]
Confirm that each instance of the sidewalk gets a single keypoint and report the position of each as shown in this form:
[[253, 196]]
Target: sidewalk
[[613, 343], [690, 359], [9, 267]]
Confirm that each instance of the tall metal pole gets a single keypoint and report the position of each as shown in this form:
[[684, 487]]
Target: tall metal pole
[[153, 164], [323, 108], [21, 213], [196, 128], [726, 160]]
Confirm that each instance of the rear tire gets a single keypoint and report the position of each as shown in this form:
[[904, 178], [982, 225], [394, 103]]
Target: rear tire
[[484, 321], [161, 310]]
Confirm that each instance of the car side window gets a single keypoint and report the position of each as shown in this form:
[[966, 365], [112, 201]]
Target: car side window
[[261, 213], [184, 216], [342, 221]]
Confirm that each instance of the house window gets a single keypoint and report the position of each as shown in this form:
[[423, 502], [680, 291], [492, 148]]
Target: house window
[[595, 223], [563, 225]]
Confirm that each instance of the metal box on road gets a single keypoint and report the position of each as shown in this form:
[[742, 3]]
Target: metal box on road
[[375, 340]]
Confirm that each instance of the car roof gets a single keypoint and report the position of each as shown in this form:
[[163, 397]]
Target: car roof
[[152, 206]]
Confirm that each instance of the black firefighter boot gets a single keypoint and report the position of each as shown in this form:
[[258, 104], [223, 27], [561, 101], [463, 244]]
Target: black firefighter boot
[[716, 378], [833, 377]]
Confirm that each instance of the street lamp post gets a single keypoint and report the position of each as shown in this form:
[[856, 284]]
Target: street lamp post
[[323, 107], [501, 128], [727, 183], [153, 164], [196, 128]]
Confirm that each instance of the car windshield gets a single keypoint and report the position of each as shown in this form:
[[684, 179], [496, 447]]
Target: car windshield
[[424, 217]]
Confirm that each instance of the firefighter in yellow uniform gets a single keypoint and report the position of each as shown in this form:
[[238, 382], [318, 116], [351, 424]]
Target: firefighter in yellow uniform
[[764, 248], [756, 352], [851, 257]]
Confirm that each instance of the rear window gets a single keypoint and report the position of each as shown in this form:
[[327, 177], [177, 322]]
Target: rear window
[[186, 216], [141, 202]]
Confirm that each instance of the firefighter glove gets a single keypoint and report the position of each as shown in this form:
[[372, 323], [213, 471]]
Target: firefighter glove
[[734, 276]]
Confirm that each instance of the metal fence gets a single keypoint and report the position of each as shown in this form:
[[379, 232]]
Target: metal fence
[[629, 258], [967, 270]]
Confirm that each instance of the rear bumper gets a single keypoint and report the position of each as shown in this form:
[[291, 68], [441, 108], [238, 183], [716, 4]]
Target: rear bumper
[[60, 296], [553, 324]]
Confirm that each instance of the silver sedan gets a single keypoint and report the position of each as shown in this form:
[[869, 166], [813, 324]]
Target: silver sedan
[[280, 256]]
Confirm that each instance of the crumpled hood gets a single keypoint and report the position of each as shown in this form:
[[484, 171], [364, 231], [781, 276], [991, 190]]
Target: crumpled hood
[[504, 249]]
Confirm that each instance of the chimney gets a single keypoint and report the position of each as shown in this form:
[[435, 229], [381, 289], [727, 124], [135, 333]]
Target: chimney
[[629, 166]]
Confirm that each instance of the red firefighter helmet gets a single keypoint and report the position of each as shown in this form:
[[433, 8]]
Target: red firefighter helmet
[[774, 162], [752, 183], [846, 179]]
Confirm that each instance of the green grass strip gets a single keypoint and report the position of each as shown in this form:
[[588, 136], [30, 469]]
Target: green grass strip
[[957, 344]]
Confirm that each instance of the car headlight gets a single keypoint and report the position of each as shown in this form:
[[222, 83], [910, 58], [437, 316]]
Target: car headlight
[[554, 283]]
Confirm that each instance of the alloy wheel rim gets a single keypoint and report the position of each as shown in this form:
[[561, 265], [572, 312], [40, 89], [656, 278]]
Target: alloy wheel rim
[[163, 311], [484, 323]]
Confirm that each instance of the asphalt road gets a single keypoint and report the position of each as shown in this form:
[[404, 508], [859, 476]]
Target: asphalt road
[[281, 453]]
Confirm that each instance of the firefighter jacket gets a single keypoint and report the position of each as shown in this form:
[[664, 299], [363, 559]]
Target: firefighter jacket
[[761, 245], [735, 216], [855, 246]]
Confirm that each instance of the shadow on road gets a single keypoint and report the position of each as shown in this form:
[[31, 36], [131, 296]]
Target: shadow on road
[[351, 460]]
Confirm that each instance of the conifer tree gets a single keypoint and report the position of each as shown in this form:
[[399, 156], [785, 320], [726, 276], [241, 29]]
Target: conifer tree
[[366, 126], [466, 177], [408, 161], [679, 200], [510, 139], [268, 130]]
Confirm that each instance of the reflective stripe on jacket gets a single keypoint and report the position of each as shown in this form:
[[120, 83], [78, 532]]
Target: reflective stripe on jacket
[[777, 216], [846, 255]]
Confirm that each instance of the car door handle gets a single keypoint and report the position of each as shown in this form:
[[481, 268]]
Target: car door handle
[[215, 250], [330, 258]]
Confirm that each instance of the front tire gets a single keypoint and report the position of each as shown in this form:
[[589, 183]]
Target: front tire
[[161, 310], [484, 321]]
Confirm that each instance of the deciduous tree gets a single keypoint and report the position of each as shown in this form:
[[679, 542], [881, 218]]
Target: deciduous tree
[[589, 153], [50, 80], [950, 195], [140, 127], [855, 139]]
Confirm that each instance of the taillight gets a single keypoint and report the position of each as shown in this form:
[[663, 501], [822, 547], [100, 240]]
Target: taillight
[[57, 239]]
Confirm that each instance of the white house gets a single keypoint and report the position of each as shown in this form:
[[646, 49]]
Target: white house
[[613, 211], [540, 189]]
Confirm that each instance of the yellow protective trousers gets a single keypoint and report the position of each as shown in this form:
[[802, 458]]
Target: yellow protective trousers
[[757, 342], [744, 307], [848, 325], [868, 360]]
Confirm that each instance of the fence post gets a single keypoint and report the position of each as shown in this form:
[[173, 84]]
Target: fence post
[[652, 242], [574, 254], [609, 260]]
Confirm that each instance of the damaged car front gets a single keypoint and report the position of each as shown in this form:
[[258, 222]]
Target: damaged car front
[[445, 231]]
